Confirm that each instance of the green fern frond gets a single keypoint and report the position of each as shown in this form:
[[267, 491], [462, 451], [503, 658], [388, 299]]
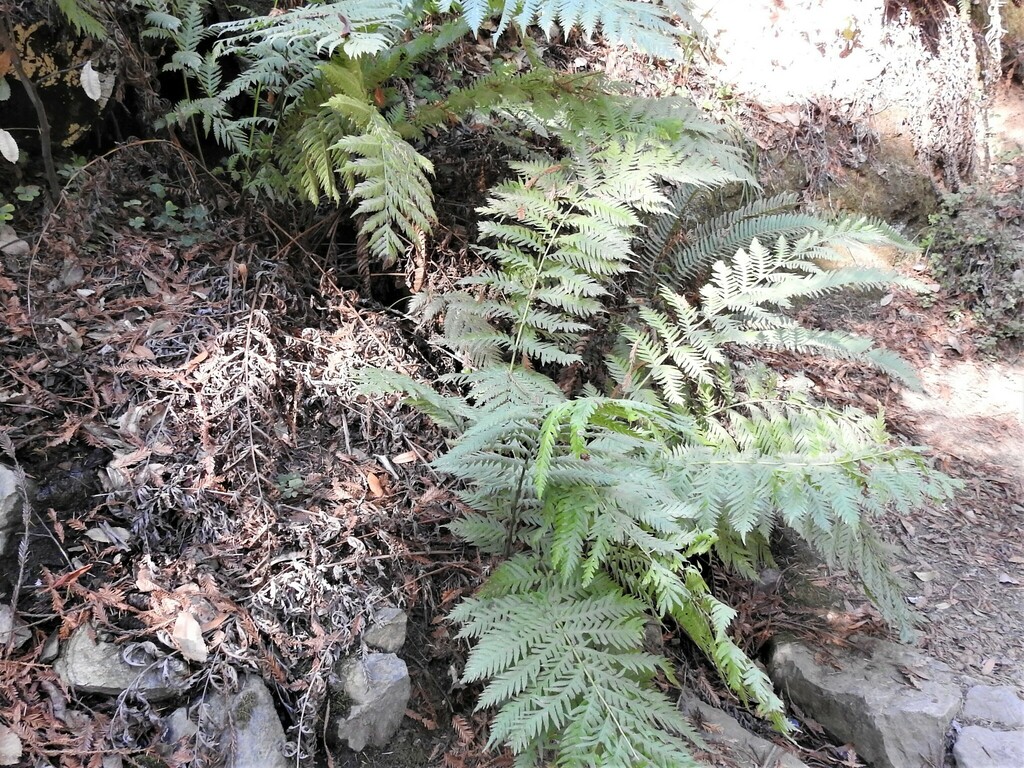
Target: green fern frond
[[356, 29], [681, 248], [389, 179], [85, 16], [647, 26], [575, 670]]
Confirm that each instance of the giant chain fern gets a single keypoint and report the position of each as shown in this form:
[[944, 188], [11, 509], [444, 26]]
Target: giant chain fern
[[602, 500]]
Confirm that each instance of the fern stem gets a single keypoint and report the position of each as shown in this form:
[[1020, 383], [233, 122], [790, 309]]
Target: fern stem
[[533, 290], [597, 691], [516, 498], [192, 122]]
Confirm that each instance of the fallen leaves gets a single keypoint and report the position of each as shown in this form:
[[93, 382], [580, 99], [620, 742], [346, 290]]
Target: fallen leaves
[[376, 488], [188, 637]]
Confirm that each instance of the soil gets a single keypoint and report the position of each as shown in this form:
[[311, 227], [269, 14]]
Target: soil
[[964, 562]]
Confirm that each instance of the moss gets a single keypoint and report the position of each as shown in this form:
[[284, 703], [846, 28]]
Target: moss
[[244, 707]]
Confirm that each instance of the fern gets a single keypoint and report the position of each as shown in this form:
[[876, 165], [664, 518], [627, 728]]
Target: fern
[[354, 29], [742, 304], [607, 499], [85, 16], [683, 246], [647, 26], [598, 483], [573, 680]]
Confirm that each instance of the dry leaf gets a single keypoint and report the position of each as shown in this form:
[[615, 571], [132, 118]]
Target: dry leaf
[[375, 487], [123, 460], [91, 82], [8, 146], [1005, 578], [988, 666], [109, 534], [10, 746], [144, 581], [144, 352], [886, 300], [405, 458], [188, 636], [926, 576]]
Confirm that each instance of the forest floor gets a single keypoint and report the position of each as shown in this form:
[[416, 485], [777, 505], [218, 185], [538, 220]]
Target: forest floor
[[177, 381], [187, 412]]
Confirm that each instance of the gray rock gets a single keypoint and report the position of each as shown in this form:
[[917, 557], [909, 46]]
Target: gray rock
[[738, 744], [252, 734], [387, 633], [998, 704], [376, 691], [178, 727], [892, 703], [12, 625], [978, 747], [11, 244], [10, 506], [92, 666]]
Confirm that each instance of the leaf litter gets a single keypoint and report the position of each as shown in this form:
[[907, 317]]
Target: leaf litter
[[156, 391]]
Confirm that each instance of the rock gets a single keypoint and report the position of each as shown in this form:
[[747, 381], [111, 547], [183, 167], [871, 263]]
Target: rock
[[978, 747], [11, 244], [739, 745], [178, 727], [92, 666], [892, 703], [10, 506], [12, 625], [998, 704], [893, 185], [377, 691], [387, 633], [252, 736]]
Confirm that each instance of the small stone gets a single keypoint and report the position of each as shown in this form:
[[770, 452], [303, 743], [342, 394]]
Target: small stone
[[253, 735], [377, 689], [387, 633], [10, 506], [177, 728], [11, 244], [979, 747], [994, 704], [12, 625], [92, 666]]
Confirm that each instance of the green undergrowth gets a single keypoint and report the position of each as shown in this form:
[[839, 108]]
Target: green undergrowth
[[601, 483], [975, 253], [601, 435]]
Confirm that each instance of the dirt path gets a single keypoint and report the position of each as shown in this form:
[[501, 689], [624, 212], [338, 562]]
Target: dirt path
[[966, 563]]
